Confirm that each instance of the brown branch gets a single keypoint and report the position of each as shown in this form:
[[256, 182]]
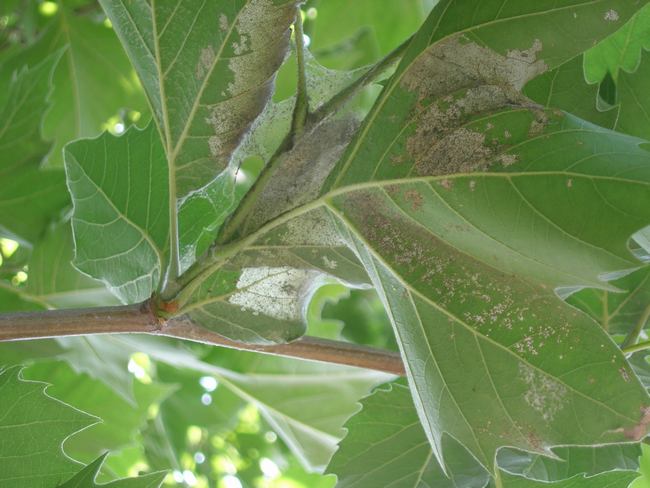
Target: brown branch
[[142, 319]]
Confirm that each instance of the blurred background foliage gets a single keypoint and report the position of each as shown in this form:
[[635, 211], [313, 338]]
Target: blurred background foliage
[[215, 418]]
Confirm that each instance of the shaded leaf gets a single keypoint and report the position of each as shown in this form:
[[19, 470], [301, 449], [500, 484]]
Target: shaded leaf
[[615, 479], [571, 461], [634, 100], [33, 427], [29, 198], [120, 190], [621, 50], [641, 367], [86, 478], [467, 280], [617, 313], [565, 88], [386, 446]]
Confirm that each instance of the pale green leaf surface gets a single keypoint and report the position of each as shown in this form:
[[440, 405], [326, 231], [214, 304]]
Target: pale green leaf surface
[[338, 19], [120, 190], [255, 305], [32, 428], [617, 313], [634, 99], [165, 436], [29, 198], [307, 242], [208, 70], [589, 461], [305, 402], [565, 88], [386, 446], [86, 478], [93, 63], [620, 50], [103, 358], [614, 479], [448, 251], [54, 281]]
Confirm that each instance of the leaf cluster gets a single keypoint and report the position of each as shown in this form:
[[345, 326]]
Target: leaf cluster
[[464, 183]]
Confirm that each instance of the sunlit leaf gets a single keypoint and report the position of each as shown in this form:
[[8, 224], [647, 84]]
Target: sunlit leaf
[[621, 50], [53, 280], [120, 190]]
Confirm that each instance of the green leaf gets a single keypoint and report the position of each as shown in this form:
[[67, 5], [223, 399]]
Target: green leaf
[[305, 402], [53, 279], [615, 479], [467, 264], [256, 305], [565, 88], [621, 50], [165, 437], [120, 189], [571, 461], [617, 313], [33, 427], [208, 70], [386, 446], [312, 426], [102, 357], [121, 418], [30, 198], [86, 478], [93, 62], [634, 99]]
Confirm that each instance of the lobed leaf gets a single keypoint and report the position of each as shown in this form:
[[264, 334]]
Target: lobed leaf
[[620, 50], [571, 461], [208, 70], [120, 190], [386, 446], [33, 426], [564, 88], [450, 195]]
